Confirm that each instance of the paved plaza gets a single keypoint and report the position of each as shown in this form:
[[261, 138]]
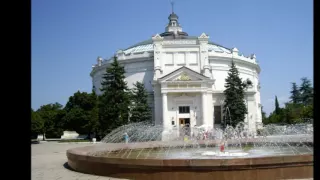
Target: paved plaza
[[49, 162]]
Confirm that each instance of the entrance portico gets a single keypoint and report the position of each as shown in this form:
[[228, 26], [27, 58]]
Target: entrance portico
[[186, 97]]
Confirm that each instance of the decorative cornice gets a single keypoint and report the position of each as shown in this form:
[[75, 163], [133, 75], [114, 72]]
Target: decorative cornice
[[203, 36], [122, 62], [236, 60], [174, 42]]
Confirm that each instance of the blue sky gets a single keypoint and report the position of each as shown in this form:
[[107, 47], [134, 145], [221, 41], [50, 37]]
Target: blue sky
[[68, 35]]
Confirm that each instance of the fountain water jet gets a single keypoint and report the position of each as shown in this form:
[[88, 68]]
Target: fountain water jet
[[276, 148]]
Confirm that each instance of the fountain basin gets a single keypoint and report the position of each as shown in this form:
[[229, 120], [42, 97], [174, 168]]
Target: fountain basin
[[115, 163]]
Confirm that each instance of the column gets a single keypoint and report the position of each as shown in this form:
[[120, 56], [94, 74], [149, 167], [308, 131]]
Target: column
[[157, 104], [204, 112], [164, 111], [209, 109]]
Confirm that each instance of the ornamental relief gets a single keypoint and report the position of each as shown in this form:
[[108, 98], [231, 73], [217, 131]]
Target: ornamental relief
[[183, 77], [180, 42]]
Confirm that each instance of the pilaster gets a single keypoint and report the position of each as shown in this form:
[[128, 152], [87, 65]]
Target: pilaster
[[209, 109], [157, 46], [204, 61], [204, 107]]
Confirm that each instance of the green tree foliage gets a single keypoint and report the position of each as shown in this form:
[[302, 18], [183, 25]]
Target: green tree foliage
[[114, 102], [264, 116], [140, 110], [293, 113], [277, 107], [37, 123], [81, 113], [94, 114], [306, 91], [277, 117], [307, 112], [234, 97], [300, 107], [52, 115], [295, 94]]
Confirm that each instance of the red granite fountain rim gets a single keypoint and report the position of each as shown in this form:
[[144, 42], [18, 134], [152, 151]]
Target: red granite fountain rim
[[85, 154]]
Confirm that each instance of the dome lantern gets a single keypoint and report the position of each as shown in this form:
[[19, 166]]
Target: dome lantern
[[173, 28]]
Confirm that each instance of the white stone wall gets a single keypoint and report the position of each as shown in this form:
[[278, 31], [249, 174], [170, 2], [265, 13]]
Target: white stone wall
[[167, 57]]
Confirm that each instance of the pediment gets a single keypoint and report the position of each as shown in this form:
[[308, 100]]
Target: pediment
[[184, 74]]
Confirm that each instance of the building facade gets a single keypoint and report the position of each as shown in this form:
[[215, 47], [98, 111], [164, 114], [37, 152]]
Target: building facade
[[185, 77]]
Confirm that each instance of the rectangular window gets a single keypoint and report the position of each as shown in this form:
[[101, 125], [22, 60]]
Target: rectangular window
[[168, 58], [184, 109], [193, 58], [179, 58]]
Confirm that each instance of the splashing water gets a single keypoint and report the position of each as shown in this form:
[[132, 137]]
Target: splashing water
[[145, 140]]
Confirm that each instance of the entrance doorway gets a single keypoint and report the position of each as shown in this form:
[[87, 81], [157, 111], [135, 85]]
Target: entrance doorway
[[217, 115], [185, 129]]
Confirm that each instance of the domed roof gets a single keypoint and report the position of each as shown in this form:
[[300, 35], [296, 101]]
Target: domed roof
[[173, 31], [147, 46], [173, 16]]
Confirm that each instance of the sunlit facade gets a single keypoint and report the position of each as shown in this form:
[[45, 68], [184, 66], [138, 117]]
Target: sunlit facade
[[185, 77]]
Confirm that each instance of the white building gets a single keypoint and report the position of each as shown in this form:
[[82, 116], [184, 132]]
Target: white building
[[185, 76]]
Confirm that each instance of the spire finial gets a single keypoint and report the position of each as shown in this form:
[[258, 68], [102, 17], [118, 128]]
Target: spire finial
[[172, 4]]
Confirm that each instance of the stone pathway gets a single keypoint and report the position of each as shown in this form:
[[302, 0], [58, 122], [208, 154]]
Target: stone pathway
[[49, 162]]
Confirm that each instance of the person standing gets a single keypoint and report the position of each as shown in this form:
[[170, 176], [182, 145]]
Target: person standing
[[126, 138]]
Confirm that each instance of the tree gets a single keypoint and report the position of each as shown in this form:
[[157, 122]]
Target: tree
[[293, 113], [94, 114], [81, 100], [37, 123], [75, 120], [81, 113], [140, 109], [52, 115], [306, 91], [264, 117], [274, 118], [234, 97], [114, 102], [307, 112], [278, 115], [295, 94], [277, 107]]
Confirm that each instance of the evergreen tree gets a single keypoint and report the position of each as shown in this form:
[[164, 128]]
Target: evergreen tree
[[295, 94], [140, 110], [306, 91], [114, 102], [234, 97], [94, 114], [264, 116], [277, 107]]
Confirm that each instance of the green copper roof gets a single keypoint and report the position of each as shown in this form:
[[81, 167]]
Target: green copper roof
[[147, 45]]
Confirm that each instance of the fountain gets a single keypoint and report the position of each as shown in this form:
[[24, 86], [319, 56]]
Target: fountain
[[138, 151]]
